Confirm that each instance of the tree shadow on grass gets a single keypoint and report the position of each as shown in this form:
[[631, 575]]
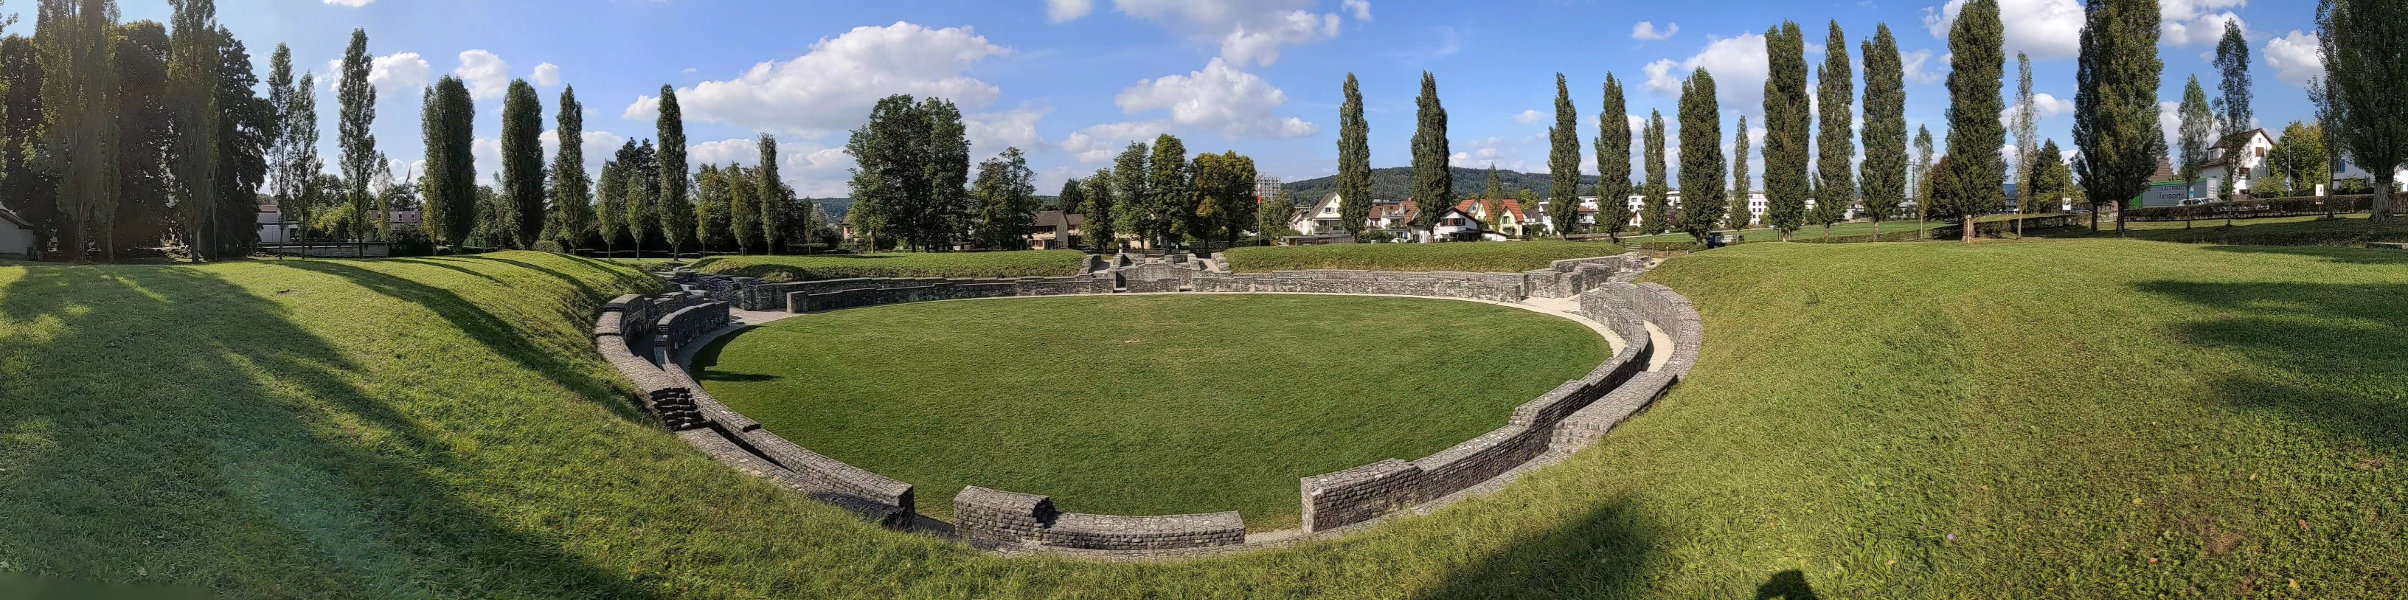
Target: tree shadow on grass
[[444, 264], [163, 425], [1601, 554], [2332, 354], [2339, 254]]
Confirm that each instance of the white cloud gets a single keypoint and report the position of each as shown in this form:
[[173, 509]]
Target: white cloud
[[487, 76], [1528, 116], [734, 151], [833, 86], [1646, 30], [350, 3], [1099, 143], [547, 74], [2169, 121], [816, 172], [2047, 107], [1249, 32], [2296, 58], [2045, 29], [1360, 8], [399, 71], [1219, 97], [2196, 22], [990, 133], [1739, 67], [1480, 154], [1920, 69], [1063, 11]]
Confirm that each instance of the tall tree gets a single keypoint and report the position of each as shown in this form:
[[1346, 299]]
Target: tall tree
[[1170, 200], [1788, 123], [1102, 237], [1129, 189], [152, 156], [25, 186], [1433, 180], [640, 167], [571, 190], [192, 81], [610, 206], [2048, 179], [676, 212], [448, 124], [914, 168], [775, 209], [1613, 170], [1224, 191], [80, 135], [522, 161], [357, 97], [1354, 162], [711, 219], [1495, 188], [1563, 156], [1271, 217], [1882, 177], [1006, 192], [2365, 88], [1702, 165], [2197, 129], [246, 127], [2027, 137], [1073, 197], [2115, 103], [1656, 214], [2298, 160], [1974, 133], [744, 198], [1738, 216], [2232, 62], [1836, 142], [1923, 177], [294, 162]]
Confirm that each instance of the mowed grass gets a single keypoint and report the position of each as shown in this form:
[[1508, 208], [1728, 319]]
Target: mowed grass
[[1477, 257], [1144, 405], [2061, 418], [2313, 230], [1027, 263]]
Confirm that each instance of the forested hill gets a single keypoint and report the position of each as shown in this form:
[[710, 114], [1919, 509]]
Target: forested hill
[[1392, 184]]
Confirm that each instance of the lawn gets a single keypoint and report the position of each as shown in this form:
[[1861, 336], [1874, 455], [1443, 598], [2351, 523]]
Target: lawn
[[1031, 263], [2046, 418], [1144, 404], [1494, 257], [2348, 230]]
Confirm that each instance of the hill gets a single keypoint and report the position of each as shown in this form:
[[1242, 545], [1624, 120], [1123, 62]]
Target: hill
[[1392, 183]]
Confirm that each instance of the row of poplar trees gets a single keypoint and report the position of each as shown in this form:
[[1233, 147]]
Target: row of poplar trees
[[1159, 196], [116, 136]]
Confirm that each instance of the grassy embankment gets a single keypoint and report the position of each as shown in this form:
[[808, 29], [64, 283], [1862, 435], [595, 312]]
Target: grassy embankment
[[1505, 257], [2084, 418], [1032, 263]]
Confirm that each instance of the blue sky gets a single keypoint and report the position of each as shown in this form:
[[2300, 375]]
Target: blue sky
[[1071, 81]]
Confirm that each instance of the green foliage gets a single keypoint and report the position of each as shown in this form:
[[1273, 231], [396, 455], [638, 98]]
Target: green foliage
[[1835, 185], [1613, 169], [2115, 101], [1101, 234], [192, 79], [1738, 216], [669, 200], [522, 159], [1073, 197], [1882, 178], [1433, 181], [2196, 131], [2232, 65], [1006, 192], [712, 205], [1224, 196], [25, 185], [357, 98], [1170, 200], [1703, 196], [80, 134], [914, 165], [449, 186], [1974, 133], [1397, 183], [1788, 127], [572, 191], [1563, 157], [2298, 159], [1026, 263], [1129, 189], [2027, 133], [2365, 87], [2050, 180], [1482, 257], [1354, 162], [778, 209], [1271, 217], [1657, 214]]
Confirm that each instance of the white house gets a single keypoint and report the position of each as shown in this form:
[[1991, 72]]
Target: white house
[[16, 235], [1320, 219], [1391, 214], [1455, 224], [2240, 157], [2344, 168], [1509, 220]]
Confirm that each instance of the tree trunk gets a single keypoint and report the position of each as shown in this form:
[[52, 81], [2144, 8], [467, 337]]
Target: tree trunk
[[2382, 205], [1971, 230], [1877, 231]]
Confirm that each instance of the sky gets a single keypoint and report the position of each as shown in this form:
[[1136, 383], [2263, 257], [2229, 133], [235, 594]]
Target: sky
[[1071, 82]]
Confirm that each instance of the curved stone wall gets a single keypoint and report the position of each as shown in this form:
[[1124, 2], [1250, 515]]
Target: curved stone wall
[[642, 337]]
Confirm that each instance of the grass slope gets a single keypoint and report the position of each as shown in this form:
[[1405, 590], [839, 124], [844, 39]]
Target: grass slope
[[1147, 404], [2092, 418], [1492, 257], [1032, 263]]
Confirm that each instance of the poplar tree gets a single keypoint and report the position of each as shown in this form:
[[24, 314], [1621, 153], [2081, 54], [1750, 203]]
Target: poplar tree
[[192, 81], [744, 211], [775, 217], [1354, 162], [80, 137], [571, 190], [26, 185], [1433, 180], [610, 206], [1613, 169], [1129, 181], [1739, 215], [1881, 179], [1702, 165], [449, 186], [2195, 132], [2365, 89], [1563, 160], [522, 161], [1922, 175], [2115, 103], [640, 168], [1101, 235], [352, 131], [711, 204], [2232, 62], [1974, 133], [1169, 199], [676, 212], [1654, 214], [1836, 143], [2027, 134], [1495, 188], [1787, 126]]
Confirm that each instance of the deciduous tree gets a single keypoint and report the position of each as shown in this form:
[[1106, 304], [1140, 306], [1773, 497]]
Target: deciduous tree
[[522, 160], [1433, 180], [1006, 193], [1613, 170], [676, 211], [447, 124], [1788, 125], [1882, 178], [2115, 103], [2365, 88], [1738, 215], [1563, 156], [1354, 162], [1835, 147], [1702, 165], [571, 190], [357, 97], [1656, 214], [1974, 133]]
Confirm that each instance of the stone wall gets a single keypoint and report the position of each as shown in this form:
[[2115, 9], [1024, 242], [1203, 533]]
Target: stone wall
[[1497, 287], [852, 293], [998, 519]]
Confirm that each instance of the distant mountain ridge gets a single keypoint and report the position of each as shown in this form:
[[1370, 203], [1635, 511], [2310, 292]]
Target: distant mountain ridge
[[1393, 183]]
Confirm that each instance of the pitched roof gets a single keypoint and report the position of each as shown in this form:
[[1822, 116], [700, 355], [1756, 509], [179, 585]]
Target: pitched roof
[[1512, 206], [1054, 218], [2227, 146], [11, 217]]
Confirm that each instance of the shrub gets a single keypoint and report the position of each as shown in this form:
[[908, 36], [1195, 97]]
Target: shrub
[[549, 246]]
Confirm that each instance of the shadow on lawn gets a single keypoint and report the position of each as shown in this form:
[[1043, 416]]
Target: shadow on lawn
[[175, 428], [1599, 555], [2332, 352], [2346, 255]]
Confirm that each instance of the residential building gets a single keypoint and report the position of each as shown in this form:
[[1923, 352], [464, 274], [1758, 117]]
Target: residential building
[[1053, 229], [2240, 158], [2346, 169], [1392, 214], [1509, 221], [1319, 219], [16, 235], [1457, 225]]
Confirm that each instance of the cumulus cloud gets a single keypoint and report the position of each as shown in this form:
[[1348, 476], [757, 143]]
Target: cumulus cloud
[[990, 133], [1646, 30], [831, 87], [2045, 107], [1528, 116], [1921, 70], [399, 71], [547, 74], [2296, 58], [1481, 153], [1361, 9], [732, 151], [1220, 97], [1063, 11], [2196, 22], [1738, 64], [1249, 32], [2045, 29], [487, 76], [1099, 143]]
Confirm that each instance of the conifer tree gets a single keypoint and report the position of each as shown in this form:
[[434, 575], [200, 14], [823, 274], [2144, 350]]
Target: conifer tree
[[1836, 143], [449, 186], [1739, 215], [675, 210], [571, 190], [1072, 200], [1788, 124], [2115, 103], [1494, 189], [1563, 158], [1655, 216], [2049, 179], [1433, 181], [522, 161], [1882, 178], [1613, 169], [1702, 165], [1354, 162], [1974, 133], [360, 159]]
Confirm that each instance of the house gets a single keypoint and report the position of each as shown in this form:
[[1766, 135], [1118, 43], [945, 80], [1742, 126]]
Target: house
[[277, 228], [1320, 219], [1053, 229], [16, 235], [1509, 221], [1392, 214], [2346, 169], [2240, 157]]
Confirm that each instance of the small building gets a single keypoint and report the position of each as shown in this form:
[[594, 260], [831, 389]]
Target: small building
[[1509, 220], [1458, 226], [2240, 158], [16, 236], [1391, 214], [1053, 229], [2345, 169], [1319, 219]]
